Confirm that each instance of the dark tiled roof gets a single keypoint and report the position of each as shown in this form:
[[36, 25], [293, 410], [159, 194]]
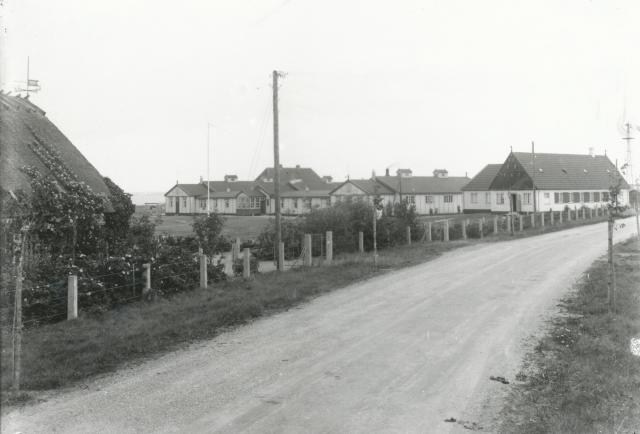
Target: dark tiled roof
[[570, 171], [482, 181], [369, 186], [190, 189], [23, 124], [424, 184], [306, 176]]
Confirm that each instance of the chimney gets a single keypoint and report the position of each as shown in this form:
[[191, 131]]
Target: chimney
[[200, 179], [386, 172], [441, 173], [591, 151], [297, 166], [230, 178], [404, 173], [327, 179]]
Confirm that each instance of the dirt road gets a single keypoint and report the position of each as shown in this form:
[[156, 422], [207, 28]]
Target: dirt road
[[399, 353]]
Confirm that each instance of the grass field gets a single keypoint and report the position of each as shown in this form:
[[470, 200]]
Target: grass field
[[582, 376], [243, 227]]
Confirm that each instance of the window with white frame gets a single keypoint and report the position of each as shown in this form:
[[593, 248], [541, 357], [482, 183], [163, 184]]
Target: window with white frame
[[566, 197], [487, 198], [428, 198], [547, 198], [184, 201], [411, 200], [596, 196], [171, 202], [307, 203], [226, 203], [448, 198], [295, 203], [575, 197], [474, 197], [203, 204], [586, 197], [500, 198], [556, 197], [605, 196], [526, 198]]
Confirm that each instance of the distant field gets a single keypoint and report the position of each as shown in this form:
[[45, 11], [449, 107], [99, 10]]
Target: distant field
[[243, 227]]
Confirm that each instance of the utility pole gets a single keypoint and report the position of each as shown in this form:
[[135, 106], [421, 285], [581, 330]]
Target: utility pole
[[208, 176], [629, 161], [533, 162], [27, 87], [276, 170], [21, 241]]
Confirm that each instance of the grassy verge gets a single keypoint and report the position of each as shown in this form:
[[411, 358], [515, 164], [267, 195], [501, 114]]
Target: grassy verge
[[582, 376], [69, 352]]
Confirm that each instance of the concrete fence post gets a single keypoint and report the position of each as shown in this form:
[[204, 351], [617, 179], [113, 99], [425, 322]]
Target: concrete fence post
[[147, 278], [361, 242], [408, 235], [590, 213], [508, 223], [203, 271], [533, 220], [237, 250], [464, 229], [542, 219], [520, 222], [329, 249], [246, 264], [72, 297], [281, 256], [446, 230], [550, 218], [429, 231], [560, 217], [307, 250], [481, 228], [495, 225], [584, 213]]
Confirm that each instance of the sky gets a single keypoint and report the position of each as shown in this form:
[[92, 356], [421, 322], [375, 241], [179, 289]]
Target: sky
[[138, 86]]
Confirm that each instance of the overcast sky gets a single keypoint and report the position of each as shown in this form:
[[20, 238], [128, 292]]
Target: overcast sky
[[370, 84]]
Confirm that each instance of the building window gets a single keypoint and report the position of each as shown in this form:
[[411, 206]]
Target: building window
[[487, 198], [575, 197], [605, 196], [526, 198], [586, 197], [295, 203], [411, 200], [203, 204], [226, 203], [428, 199], [307, 203], [500, 198], [566, 197], [281, 203], [171, 202], [474, 197], [596, 196], [184, 202], [556, 197], [448, 198], [547, 198]]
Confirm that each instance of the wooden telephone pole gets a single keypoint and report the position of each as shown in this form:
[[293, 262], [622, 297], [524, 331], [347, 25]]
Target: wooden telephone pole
[[276, 172], [533, 162]]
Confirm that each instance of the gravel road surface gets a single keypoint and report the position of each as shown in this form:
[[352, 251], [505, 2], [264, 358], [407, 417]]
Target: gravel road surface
[[398, 353]]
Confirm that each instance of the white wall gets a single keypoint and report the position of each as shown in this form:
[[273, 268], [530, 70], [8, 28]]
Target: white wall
[[437, 204], [187, 203], [483, 200]]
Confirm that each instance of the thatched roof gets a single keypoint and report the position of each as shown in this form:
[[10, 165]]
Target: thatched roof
[[22, 124]]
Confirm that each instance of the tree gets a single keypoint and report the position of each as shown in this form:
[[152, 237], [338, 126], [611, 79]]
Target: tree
[[116, 223], [208, 230]]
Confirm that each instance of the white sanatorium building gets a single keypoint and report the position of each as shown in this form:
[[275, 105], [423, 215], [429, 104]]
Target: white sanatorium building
[[558, 181]]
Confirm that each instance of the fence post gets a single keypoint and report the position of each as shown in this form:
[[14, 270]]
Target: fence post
[[542, 219], [590, 213], [481, 228], [147, 278], [246, 266], [446, 230], [429, 231], [307, 250], [508, 223], [329, 249], [72, 297], [495, 225], [408, 235], [281, 256], [560, 217], [551, 218], [464, 229], [203, 271], [520, 222]]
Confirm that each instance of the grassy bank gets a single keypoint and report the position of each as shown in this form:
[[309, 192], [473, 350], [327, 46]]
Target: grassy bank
[[62, 354], [582, 377]]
